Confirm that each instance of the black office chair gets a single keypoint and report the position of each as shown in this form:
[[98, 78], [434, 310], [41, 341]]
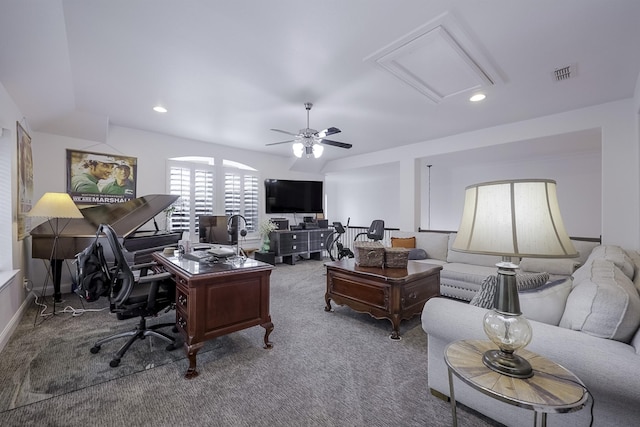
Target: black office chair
[[375, 231], [132, 295]]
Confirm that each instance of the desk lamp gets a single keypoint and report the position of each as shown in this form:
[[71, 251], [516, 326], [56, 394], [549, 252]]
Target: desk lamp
[[517, 218]]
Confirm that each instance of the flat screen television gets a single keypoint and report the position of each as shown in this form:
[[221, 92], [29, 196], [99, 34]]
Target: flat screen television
[[286, 196]]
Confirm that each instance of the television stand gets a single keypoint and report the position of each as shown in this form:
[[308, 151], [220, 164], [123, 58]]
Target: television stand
[[293, 243]]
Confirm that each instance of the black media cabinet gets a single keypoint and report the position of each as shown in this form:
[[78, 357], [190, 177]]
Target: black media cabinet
[[290, 244]]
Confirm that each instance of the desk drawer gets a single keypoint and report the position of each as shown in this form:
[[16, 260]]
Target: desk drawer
[[182, 308]]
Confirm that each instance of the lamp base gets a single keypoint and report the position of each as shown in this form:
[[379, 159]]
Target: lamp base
[[508, 364]]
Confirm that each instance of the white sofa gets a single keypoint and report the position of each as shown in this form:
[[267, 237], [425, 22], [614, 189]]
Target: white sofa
[[595, 336], [462, 273]]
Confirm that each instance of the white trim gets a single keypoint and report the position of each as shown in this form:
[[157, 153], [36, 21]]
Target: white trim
[[6, 333], [7, 277]]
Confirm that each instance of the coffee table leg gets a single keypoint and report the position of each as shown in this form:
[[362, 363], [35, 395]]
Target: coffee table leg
[[452, 396], [395, 322], [327, 299]]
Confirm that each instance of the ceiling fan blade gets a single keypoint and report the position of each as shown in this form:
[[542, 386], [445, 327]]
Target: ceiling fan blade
[[284, 131], [327, 132], [281, 142], [336, 143]]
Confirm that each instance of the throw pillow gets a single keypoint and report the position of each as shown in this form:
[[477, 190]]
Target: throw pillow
[[546, 303], [417, 253], [403, 242], [484, 297], [604, 304]]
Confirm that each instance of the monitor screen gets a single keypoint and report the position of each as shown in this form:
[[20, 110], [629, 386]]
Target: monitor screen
[[213, 229]]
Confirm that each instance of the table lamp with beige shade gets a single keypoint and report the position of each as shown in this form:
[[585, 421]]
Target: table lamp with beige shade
[[515, 218]]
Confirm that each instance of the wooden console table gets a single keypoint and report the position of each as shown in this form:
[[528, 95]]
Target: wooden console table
[[216, 299], [385, 293]]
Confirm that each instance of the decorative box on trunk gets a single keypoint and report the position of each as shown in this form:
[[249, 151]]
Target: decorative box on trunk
[[369, 254], [396, 257]]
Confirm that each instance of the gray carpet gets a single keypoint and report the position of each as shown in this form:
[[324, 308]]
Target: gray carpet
[[325, 369]]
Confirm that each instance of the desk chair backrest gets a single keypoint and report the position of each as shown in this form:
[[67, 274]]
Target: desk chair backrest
[[122, 278]]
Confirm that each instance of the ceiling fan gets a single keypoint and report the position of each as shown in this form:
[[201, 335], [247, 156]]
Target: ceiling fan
[[309, 141]]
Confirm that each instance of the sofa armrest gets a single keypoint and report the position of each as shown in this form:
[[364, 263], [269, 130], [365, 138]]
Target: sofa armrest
[[604, 366]]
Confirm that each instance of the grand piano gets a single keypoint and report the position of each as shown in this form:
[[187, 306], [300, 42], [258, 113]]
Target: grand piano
[[125, 218]]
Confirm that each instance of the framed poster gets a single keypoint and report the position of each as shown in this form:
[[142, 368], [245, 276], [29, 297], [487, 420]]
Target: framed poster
[[99, 178], [25, 181]]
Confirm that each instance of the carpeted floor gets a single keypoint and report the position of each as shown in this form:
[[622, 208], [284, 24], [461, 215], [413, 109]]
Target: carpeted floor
[[325, 369]]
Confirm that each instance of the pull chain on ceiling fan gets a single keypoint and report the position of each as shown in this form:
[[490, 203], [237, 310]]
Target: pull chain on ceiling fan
[[309, 141]]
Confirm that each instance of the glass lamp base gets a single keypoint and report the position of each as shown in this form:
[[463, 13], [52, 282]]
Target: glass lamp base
[[508, 364]]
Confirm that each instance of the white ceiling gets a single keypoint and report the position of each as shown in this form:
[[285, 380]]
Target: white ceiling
[[228, 71]]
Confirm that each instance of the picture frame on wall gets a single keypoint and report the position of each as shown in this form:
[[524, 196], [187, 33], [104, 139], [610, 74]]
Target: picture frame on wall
[[100, 178], [25, 181]]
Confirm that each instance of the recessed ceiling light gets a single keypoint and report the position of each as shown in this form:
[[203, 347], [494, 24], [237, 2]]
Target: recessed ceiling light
[[159, 109], [477, 97]]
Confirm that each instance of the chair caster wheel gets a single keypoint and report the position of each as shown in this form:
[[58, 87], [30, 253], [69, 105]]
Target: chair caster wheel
[[114, 363], [95, 349], [174, 329], [171, 347]]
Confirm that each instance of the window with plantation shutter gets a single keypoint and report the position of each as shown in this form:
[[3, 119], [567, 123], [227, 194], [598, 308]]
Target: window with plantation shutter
[[195, 184], [194, 180], [241, 197]]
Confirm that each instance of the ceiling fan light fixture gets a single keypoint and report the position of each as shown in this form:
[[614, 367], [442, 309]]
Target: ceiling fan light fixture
[[317, 150], [298, 149]]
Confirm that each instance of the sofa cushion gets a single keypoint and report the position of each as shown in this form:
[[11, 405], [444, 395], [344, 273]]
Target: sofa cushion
[[605, 303], [474, 259], [484, 297], [612, 253], [546, 303], [403, 242], [555, 266], [635, 257], [584, 249]]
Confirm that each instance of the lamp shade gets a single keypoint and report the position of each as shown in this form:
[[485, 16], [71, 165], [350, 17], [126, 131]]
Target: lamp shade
[[55, 205], [298, 149], [519, 218]]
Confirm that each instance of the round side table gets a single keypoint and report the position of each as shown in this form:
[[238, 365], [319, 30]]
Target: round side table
[[552, 389]]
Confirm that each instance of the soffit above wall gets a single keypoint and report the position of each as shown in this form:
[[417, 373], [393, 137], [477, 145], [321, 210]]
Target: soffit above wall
[[438, 60]]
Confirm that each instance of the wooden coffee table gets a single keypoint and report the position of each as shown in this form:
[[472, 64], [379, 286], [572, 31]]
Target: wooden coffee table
[[385, 293]]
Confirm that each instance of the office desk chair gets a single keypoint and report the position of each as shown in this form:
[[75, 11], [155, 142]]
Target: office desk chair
[[132, 295], [375, 231]]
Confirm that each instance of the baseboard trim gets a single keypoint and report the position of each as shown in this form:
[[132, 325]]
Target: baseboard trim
[[6, 333]]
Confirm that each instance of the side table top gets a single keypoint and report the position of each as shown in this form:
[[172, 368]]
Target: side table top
[[551, 389]]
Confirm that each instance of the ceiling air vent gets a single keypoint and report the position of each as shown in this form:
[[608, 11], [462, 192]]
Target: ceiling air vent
[[564, 73]]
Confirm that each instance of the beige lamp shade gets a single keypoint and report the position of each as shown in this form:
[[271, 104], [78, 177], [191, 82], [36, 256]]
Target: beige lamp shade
[[55, 205], [519, 218]]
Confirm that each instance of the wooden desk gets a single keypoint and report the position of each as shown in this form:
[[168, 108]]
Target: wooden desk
[[551, 389], [385, 293], [216, 299]]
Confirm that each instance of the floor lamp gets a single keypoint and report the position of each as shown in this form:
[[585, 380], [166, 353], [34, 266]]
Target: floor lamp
[[55, 207]]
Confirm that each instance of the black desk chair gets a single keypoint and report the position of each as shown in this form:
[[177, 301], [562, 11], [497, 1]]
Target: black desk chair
[[130, 295], [375, 231]]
